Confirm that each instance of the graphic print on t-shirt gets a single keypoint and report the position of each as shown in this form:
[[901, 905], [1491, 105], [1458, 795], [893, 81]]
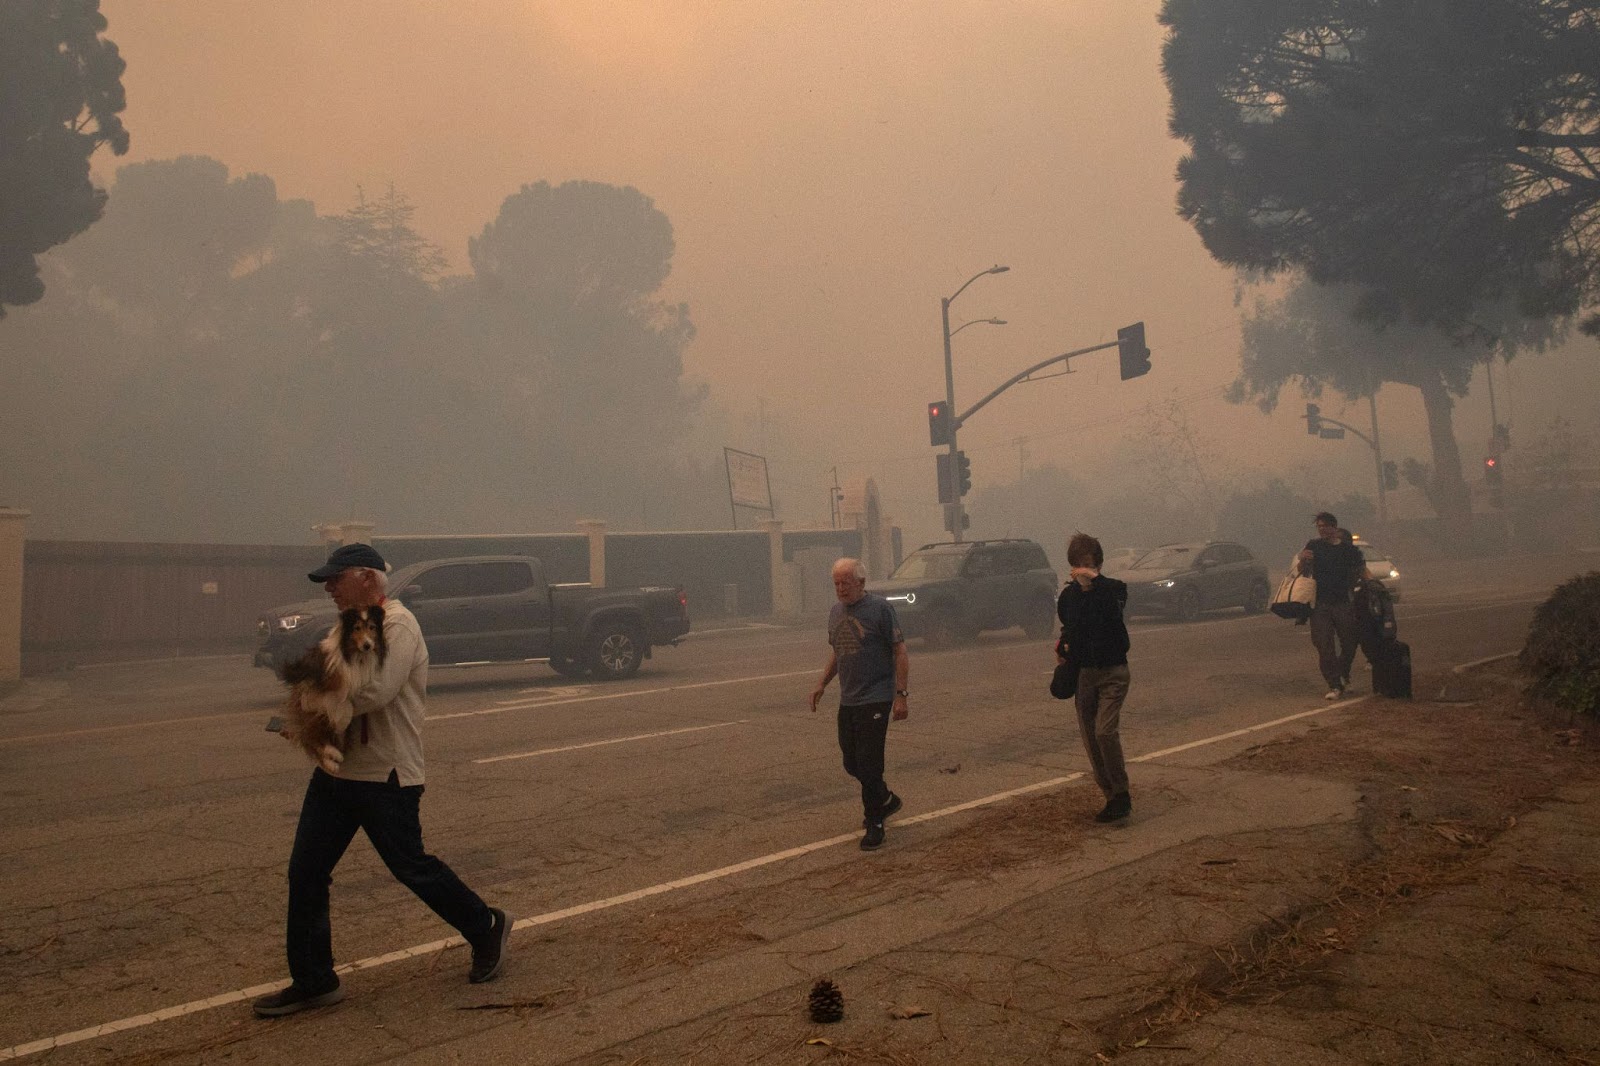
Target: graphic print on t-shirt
[[847, 636]]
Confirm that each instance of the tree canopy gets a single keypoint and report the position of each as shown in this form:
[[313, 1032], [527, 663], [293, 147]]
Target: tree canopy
[[228, 365], [60, 97], [1439, 154]]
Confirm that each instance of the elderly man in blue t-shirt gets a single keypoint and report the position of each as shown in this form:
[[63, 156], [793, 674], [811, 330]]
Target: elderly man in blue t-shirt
[[869, 656]]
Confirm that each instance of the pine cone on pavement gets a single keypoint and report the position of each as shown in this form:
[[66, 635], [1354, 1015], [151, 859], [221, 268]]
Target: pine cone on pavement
[[826, 1002]]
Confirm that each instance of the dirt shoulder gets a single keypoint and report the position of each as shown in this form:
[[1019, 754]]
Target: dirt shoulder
[[1444, 915]]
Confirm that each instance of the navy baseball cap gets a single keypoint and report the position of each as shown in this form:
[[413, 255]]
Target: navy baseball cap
[[346, 556]]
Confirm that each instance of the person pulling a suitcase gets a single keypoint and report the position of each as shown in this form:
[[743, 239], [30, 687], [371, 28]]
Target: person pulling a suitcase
[[1336, 564]]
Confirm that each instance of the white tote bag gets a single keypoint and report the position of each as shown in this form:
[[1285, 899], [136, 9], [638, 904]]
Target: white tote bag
[[1296, 593]]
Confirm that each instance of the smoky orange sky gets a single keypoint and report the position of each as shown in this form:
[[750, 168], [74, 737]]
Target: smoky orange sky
[[830, 168]]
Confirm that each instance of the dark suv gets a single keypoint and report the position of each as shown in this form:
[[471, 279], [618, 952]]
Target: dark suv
[[1184, 579], [948, 593]]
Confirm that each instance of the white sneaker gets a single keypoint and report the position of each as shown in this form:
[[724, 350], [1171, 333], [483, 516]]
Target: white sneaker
[[1334, 693]]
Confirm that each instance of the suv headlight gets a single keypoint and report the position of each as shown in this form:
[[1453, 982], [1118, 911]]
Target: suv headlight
[[905, 597], [293, 621], [1164, 583]]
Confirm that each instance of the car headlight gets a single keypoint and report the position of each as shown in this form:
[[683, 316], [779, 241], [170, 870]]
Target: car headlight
[[1165, 584], [909, 597], [293, 621], [1393, 574]]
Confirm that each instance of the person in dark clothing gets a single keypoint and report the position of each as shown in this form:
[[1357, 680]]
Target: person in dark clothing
[[1095, 636], [869, 657], [1336, 564]]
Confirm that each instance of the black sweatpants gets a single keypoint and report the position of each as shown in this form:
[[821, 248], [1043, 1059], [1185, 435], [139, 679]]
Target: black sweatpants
[[863, 729], [333, 809]]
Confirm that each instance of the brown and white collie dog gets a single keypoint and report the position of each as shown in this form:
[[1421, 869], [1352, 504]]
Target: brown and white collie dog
[[321, 682]]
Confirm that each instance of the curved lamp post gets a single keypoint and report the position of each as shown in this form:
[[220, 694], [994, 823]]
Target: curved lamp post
[[950, 380]]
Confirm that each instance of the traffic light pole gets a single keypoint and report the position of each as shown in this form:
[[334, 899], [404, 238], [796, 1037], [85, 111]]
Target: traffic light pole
[[1377, 463], [1377, 454], [957, 509]]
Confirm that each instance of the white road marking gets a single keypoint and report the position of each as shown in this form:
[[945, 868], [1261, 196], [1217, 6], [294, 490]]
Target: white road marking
[[613, 740], [541, 694], [18, 1051], [1464, 667], [522, 705]]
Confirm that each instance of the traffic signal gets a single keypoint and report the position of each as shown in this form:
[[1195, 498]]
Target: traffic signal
[[950, 518], [939, 423], [963, 474], [1491, 477], [1131, 352], [947, 489], [1391, 474], [1313, 419]]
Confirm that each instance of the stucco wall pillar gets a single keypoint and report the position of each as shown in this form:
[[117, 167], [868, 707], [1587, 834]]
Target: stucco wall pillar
[[595, 528], [786, 587], [12, 525]]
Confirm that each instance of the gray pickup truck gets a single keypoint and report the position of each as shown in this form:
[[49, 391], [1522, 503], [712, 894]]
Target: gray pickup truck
[[499, 609]]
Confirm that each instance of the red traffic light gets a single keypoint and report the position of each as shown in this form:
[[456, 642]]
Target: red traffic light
[[1491, 462], [940, 425]]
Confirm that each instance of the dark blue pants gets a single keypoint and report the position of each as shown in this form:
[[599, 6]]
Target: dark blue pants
[[863, 730], [329, 816]]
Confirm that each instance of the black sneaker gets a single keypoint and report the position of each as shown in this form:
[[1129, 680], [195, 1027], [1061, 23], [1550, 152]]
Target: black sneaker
[[294, 999], [872, 839], [487, 956], [1117, 808], [889, 810]]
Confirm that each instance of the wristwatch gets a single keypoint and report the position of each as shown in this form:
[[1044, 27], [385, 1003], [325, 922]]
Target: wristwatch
[[902, 692]]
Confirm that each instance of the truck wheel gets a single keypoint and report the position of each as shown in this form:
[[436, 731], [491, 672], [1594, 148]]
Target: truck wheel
[[1040, 620], [568, 667], [615, 652]]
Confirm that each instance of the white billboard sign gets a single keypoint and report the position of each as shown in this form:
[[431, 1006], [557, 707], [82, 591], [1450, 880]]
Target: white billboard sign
[[748, 485]]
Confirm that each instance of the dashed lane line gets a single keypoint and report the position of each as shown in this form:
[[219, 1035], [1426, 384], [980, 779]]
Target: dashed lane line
[[241, 995], [613, 740], [522, 705]]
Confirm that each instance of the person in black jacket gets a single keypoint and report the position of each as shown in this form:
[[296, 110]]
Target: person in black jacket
[[1332, 558], [1094, 635]]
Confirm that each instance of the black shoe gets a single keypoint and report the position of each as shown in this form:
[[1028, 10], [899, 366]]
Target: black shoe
[[872, 839], [1117, 808], [293, 999], [890, 809], [487, 956]]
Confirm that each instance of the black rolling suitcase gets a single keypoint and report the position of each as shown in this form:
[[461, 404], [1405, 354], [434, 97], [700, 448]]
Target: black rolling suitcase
[[1391, 669]]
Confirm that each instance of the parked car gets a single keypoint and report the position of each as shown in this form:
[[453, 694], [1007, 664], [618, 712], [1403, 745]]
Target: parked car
[[949, 593], [1381, 566], [1119, 559], [498, 608], [1182, 580]]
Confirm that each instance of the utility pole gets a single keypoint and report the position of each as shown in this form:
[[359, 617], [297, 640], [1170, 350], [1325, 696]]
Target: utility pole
[[1377, 462]]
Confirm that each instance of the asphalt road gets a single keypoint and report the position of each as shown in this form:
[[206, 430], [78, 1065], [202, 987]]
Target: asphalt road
[[146, 816]]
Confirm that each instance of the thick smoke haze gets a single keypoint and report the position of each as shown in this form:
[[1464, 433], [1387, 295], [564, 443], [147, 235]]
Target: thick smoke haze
[[828, 171]]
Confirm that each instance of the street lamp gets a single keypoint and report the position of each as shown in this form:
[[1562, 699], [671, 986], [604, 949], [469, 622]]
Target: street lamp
[[978, 322], [958, 513]]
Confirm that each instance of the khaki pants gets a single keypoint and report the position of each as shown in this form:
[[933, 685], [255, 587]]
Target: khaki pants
[[1101, 691]]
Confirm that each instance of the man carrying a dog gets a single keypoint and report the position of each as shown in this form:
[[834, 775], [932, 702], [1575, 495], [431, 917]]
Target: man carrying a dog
[[378, 790]]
